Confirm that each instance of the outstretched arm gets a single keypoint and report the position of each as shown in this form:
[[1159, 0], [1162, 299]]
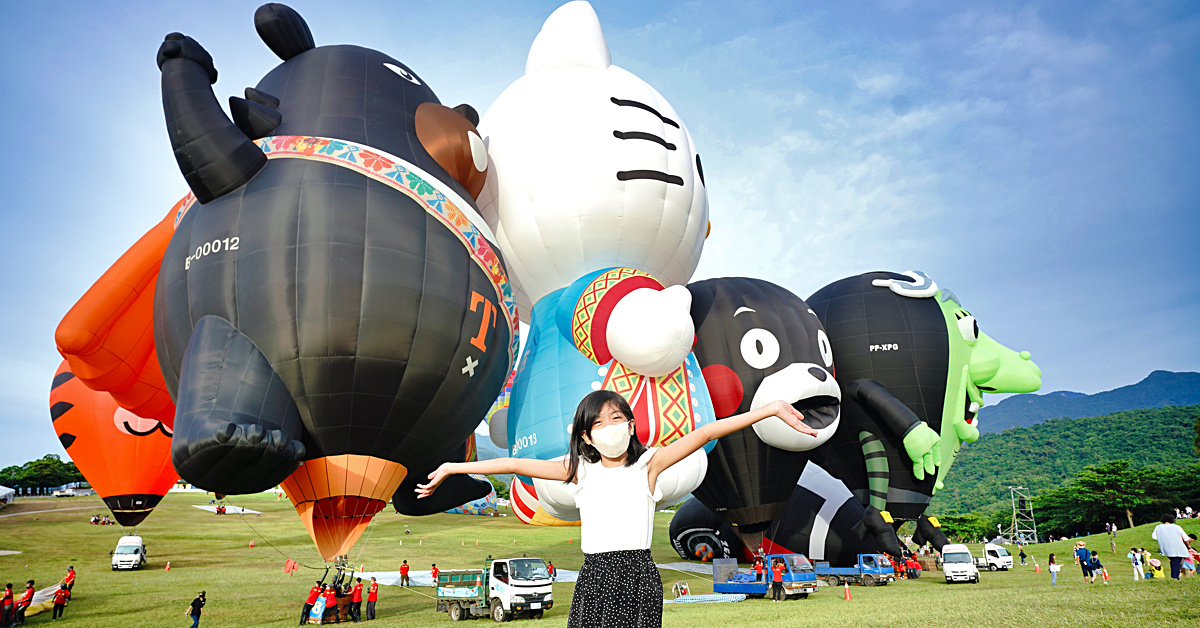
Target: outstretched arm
[[543, 469], [696, 439]]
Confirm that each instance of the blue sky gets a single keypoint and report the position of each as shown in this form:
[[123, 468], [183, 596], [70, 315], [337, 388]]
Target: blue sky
[[1040, 160]]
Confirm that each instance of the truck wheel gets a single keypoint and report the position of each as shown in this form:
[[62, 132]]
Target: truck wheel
[[803, 596], [498, 613], [975, 580], [992, 567], [537, 614], [833, 581], [868, 580], [455, 611]]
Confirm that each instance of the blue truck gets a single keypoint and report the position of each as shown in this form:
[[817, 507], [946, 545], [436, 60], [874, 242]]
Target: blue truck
[[799, 577], [872, 569]]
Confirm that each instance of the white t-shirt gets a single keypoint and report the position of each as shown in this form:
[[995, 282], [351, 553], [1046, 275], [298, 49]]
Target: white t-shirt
[[1170, 540], [1056, 567], [616, 507]]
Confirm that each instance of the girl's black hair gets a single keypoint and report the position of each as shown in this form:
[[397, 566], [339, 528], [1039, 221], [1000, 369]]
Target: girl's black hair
[[589, 408]]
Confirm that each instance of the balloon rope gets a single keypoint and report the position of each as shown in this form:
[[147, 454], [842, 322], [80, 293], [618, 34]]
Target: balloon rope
[[242, 515], [370, 531], [417, 592]]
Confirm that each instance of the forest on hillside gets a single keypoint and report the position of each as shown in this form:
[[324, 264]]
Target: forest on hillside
[[1051, 454]]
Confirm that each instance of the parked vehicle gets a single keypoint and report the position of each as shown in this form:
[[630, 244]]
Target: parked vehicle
[[958, 565], [129, 554], [994, 557], [505, 588], [870, 570], [799, 577]]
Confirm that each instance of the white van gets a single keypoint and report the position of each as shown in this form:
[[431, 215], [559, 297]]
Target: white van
[[130, 553], [958, 565]]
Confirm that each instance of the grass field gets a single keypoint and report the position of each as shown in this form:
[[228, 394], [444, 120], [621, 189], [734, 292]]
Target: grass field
[[247, 587]]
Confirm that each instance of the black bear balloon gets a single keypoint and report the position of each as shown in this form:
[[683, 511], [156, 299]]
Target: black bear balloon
[[757, 342], [331, 315]]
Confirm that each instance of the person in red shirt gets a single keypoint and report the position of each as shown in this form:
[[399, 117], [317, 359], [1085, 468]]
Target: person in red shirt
[[404, 574], [372, 597], [777, 580], [550, 568], [313, 594], [758, 569], [6, 606], [60, 600], [434, 571], [70, 579], [331, 605], [24, 603], [356, 602]]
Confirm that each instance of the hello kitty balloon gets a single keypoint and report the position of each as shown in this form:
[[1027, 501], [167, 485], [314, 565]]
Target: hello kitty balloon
[[597, 200]]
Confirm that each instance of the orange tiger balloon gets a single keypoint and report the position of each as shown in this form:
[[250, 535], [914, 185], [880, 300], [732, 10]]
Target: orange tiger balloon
[[126, 458]]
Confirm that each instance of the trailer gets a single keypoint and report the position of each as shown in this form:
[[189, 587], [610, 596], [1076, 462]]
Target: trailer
[[871, 570], [799, 578], [504, 589]]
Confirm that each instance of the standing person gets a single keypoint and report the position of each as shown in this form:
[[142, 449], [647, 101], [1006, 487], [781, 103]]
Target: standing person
[[758, 569], [1173, 543], [193, 610], [404, 574], [1135, 560], [550, 568], [1021, 549], [313, 594], [24, 603], [356, 602], [1054, 569], [777, 580], [331, 604], [1083, 559], [372, 597], [60, 600], [69, 580], [615, 480], [1112, 543], [433, 571], [6, 606]]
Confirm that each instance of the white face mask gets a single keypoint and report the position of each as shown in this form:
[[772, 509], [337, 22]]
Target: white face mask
[[612, 441]]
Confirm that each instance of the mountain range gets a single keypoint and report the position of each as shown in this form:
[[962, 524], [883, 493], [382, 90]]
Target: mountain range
[[1158, 389]]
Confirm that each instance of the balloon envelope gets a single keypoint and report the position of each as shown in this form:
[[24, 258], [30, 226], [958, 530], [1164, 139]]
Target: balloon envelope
[[126, 459]]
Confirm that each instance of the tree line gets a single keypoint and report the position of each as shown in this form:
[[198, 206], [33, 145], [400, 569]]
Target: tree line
[[37, 477]]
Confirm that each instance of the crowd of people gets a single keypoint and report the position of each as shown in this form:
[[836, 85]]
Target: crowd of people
[[341, 602], [13, 608]]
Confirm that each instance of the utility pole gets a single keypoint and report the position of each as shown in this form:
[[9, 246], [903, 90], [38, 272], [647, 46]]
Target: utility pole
[[1023, 530]]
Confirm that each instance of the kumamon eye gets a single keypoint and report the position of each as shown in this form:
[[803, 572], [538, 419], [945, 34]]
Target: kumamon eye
[[760, 348]]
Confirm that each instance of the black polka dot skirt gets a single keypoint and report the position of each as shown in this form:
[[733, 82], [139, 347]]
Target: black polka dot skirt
[[617, 590]]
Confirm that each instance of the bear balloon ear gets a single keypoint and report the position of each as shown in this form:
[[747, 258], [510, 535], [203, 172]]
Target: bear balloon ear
[[283, 30], [570, 38], [468, 112]]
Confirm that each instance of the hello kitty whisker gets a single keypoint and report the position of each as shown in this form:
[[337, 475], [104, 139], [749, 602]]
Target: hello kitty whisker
[[644, 107], [628, 175], [638, 135]]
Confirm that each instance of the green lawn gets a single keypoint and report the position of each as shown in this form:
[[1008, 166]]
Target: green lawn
[[247, 587]]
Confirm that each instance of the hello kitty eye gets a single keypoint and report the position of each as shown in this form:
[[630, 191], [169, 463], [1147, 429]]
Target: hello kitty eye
[[700, 170], [404, 74]]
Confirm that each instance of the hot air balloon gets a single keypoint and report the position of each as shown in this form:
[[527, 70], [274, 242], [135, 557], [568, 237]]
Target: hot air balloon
[[126, 458], [699, 534], [912, 364], [758, 342], [598, 235], [336, 262], [106, 336]]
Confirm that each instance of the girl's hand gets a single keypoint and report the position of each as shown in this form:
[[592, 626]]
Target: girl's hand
[[435, 478], [791, 416]]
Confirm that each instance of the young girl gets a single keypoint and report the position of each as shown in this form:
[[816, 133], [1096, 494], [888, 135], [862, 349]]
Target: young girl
[[616, 488], [1054, 569]]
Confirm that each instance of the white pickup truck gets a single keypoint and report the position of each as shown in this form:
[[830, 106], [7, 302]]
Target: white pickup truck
[[994, 557]]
